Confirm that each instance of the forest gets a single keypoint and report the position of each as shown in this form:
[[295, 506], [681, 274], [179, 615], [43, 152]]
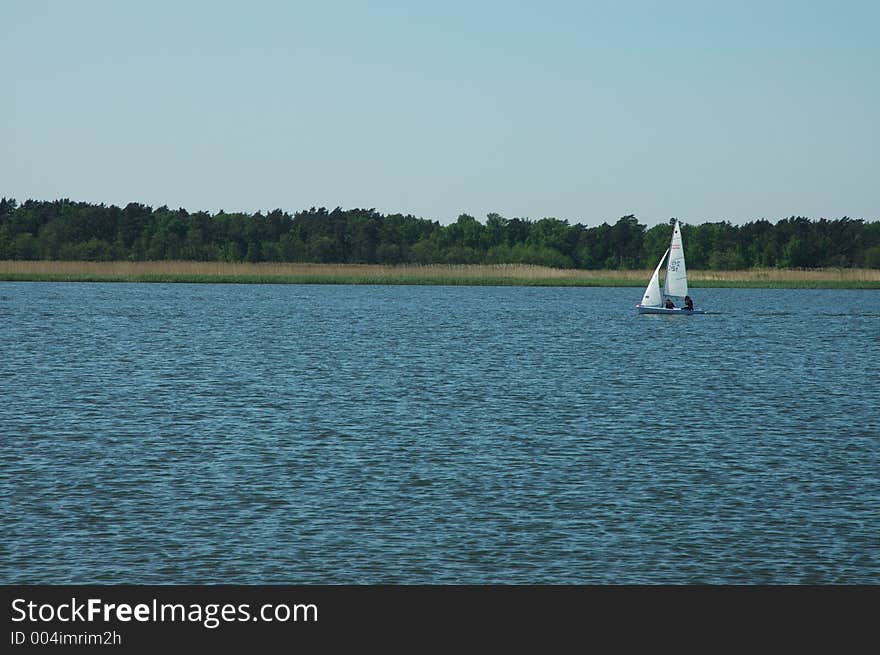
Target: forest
[[67, 230]]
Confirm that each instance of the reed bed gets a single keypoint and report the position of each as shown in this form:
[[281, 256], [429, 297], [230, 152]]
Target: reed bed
[[469, 274]]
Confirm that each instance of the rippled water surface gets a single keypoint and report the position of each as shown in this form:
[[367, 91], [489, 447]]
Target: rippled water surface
[[369, 434]]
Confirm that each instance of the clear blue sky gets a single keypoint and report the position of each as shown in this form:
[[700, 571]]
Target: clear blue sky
[[585, 111]]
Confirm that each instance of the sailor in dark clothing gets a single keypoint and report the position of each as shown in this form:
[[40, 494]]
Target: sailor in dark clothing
[[688, 303], [669, 304]]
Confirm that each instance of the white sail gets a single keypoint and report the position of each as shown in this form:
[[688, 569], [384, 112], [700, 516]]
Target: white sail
[[652, 292], [676, 283]]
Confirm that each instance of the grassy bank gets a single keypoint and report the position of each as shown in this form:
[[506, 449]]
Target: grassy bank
[[501, 274]]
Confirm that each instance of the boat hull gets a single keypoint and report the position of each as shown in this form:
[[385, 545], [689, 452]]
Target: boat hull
[[675, 311]]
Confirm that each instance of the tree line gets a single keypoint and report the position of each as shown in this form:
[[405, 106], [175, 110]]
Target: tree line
[[66, 230]]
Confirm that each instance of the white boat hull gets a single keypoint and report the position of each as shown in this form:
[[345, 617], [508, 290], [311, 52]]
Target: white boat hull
[[675, 311]]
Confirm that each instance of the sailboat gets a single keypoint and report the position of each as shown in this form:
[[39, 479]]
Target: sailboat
[[675, 286]]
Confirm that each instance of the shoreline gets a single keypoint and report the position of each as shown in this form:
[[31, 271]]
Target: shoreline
[[432, 274]]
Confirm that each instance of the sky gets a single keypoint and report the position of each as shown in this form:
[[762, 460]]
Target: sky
[[584, 111]]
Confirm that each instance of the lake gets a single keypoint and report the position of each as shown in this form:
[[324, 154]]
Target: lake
[[285, 434]]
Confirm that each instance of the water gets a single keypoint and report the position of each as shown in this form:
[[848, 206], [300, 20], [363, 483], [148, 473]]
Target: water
[[360, 434]]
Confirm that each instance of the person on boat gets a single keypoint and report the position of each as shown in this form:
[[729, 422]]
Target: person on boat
[[688, 303], [669, 304]]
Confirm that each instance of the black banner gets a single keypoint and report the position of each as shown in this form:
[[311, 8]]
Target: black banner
[[421, 617]]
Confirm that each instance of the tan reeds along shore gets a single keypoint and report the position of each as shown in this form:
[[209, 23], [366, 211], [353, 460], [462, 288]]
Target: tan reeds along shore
[[468, 274]]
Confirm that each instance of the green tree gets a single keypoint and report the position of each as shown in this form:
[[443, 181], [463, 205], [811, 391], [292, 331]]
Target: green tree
[[24, 246], [5, 242], [627, 236], [495, 232], [871, 257], [654, 244]]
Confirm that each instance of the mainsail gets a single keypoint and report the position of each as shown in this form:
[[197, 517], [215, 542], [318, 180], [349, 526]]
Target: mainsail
[[676, 283]]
